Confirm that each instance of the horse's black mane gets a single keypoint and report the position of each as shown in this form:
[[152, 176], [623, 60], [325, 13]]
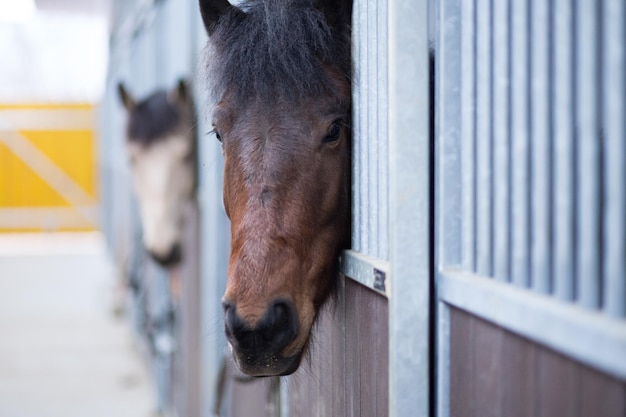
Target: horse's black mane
[[276, 50], [152, 118]]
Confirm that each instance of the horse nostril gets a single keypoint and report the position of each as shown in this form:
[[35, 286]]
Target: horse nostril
[[168, 259], [226, 306], [281, 325], [283, 314], [277, 328], [232, 322]]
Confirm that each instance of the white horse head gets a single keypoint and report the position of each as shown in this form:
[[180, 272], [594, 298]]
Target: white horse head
[[161, 145]]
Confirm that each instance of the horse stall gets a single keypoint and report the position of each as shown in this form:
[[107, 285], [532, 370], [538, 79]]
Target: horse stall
[[487, 268]]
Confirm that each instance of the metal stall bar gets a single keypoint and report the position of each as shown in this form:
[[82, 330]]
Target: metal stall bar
[[540, 147], [520, 143], [371, 137], [358, 102], [614, 158], [361, 173], [370, 162], [409, 182], [448, 115], [564, 151], [468, 133], [501, 141], [484, 139], [382, 181], [448, 158], [214, 243], [588, 221]]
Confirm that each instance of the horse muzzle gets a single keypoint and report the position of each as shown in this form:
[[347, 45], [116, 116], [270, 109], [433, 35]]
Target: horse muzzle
[[258, 348]]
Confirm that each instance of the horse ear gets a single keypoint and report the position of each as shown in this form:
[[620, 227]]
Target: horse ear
[[211, 10], [125, 97], [181, 92], [338, 12]]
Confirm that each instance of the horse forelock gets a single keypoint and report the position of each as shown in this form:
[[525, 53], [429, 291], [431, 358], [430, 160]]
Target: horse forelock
[[153, 119], [273, 51]]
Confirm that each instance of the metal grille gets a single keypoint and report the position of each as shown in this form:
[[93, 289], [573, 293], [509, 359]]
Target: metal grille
[[370, 153], [533, 146]]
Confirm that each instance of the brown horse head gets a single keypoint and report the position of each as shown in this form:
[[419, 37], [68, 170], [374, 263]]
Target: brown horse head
[[161, 145], [280, 74]]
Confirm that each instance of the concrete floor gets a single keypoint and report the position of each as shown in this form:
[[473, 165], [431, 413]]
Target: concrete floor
[[63, 353]]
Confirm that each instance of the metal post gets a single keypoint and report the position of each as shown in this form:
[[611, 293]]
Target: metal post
[[409, 154]]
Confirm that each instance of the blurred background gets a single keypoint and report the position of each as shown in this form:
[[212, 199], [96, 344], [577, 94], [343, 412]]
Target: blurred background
[[90, 325]]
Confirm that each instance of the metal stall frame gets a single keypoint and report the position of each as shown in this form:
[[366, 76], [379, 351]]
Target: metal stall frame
[[391, 217], [409, 179]]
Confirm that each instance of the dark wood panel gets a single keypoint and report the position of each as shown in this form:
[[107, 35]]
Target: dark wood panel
[[382, 362], [347, 371], [353, 340], [557, 385], [461, 365], [250, 398], [518, 376], [601, 395], [494, 372], [487, 358], [368, 355]]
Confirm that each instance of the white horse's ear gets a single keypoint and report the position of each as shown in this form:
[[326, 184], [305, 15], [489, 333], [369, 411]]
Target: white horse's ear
[[211, 10], [125, 97]]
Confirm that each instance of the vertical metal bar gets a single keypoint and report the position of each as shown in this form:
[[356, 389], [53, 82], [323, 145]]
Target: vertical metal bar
[[501, 140], [443, 359], [214, 242], [363, 136], [614, 121], [383, 111], [520, 144], [357, 167], [564, 151], [540, 147], [468, 132], [448, 112], [588, 155], [448, 181], [484, 157], [174, 42], [409, 181], [372, 127]]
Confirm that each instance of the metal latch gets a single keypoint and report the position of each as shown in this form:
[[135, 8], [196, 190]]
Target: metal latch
[[379, 280]]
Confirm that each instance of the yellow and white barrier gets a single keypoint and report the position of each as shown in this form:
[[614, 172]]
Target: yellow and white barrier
[[48, 175]]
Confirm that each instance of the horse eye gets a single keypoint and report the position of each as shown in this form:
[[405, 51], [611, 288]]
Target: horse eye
[[333, 133], [217, 135]]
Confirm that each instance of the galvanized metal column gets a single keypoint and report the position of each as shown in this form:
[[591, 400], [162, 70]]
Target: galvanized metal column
[[214, 238], [541, 147], [409, 154], [614, 120], [448, 183]]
